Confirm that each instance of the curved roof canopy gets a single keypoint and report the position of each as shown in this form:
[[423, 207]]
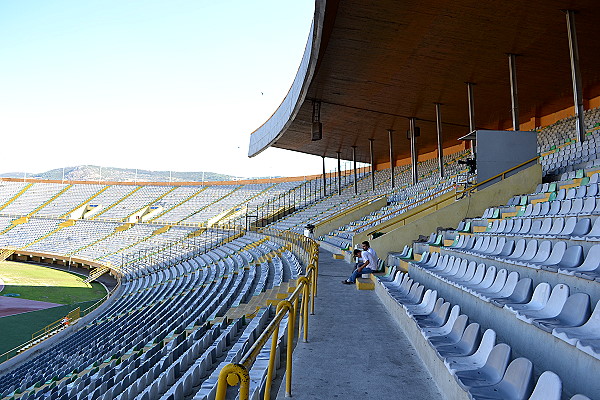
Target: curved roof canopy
[[374, 64]]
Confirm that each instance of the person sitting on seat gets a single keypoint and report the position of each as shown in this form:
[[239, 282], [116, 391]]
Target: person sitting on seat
[[357, 254], [368, 265]]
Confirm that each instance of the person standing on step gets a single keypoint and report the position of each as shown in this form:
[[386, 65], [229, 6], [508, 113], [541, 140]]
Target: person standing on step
[[368, 265]]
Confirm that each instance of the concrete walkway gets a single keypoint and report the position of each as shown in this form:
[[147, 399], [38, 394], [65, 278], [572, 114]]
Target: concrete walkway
[[355, 350]]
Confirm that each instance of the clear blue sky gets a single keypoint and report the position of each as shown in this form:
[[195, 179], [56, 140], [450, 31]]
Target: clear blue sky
[[163, 85]]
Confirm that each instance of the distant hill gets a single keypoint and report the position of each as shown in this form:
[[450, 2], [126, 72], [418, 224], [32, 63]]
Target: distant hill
[[92, 173]]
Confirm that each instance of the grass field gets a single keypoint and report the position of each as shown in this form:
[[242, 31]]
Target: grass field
[[34, 282], [17, 329]]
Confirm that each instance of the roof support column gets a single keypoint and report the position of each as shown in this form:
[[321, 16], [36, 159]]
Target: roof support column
[[391, 142], [324, 178], [339, 172], [440, 149], [575, 75], [372, 164], [514, 96], [471, 113], [414, 156], [354, 165]]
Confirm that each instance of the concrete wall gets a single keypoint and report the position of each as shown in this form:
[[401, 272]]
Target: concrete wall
[[473, 206], [356, 213]]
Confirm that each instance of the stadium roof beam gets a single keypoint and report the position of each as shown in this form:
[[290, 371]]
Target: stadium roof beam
[[324, 177], [514, 97], [575, 75], [414, 155], [354, 168], [372, 161], [391, 145], [339, 172], [374, 64], [438, 129]]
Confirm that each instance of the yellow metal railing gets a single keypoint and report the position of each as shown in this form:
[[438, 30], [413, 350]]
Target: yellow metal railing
[[501, 175], [67, 320], [239, 373]]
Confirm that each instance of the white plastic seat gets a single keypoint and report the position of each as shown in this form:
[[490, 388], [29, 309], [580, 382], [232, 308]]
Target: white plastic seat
[[575, 229], [574, 312], [497, 247], [517, 252], [557, 227], [589, 268], [592, 190], [450, 267], [412, 297], [516, 226], [476, 279], [594, 233], [443, 262], [490, 373], [589, 330], [570, 258], [465, 346], [477, 359], [540, 297], [528, 254], [532, 211], [467, 276], [486, 282], [589, 204], [425, 311], [501, 291], [447, 326], [437, 318], [552, 308], [542, 254], [521, 293], [479, 243], [525, 226], [516, 384], [427, 303], [430, 262], [571, 193], [576, 207], [453, 336], [510, 223], [544, 208], [579, 396], [495, 287], [507, 249], [491, 247], [537, 226], [548, 387]]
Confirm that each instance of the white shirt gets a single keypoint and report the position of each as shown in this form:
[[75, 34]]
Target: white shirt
[[371, 256]]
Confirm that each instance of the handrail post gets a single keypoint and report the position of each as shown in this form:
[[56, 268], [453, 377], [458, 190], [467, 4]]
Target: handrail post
[[311, 271], [306, 301], [290, 346], [289, 350], [303, 280], [272, 354]]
